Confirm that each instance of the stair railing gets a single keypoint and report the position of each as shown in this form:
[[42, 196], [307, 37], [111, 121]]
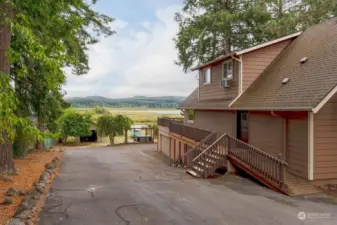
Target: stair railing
[[219, 147], [258, 161], [196, 150]]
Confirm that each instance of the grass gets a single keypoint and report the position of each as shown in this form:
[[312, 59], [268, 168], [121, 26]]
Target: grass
[[138, 115]]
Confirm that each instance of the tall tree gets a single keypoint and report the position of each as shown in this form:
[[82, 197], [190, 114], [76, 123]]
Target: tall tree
[[6, 92], [47, 36], [73, 25], [209, 28]]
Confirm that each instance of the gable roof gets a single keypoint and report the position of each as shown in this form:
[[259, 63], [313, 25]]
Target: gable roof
[[247, 50], [309, 83], [192, 102]]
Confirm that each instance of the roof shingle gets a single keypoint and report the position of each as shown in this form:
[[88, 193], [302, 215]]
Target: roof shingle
[[308, 83]]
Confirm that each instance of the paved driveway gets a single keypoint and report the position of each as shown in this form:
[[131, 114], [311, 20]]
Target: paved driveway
[[131, 185]]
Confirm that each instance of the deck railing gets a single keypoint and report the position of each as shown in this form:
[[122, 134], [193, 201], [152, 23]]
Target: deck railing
[[179, 128], [258, 161], [164, 122]]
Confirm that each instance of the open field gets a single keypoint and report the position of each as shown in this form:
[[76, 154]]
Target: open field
[[139, 115]]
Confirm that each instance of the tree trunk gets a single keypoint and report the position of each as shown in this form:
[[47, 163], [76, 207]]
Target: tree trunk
[[126, 136], [6, 155], [112, 139], [40, 126], [6, 152]]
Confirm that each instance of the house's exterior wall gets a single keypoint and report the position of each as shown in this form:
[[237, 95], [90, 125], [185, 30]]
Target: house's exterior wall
[[214, 90], [220, 121], [165, 144], [164, 140], [255, 62], [297, 147], [325, 141], [266, 132]]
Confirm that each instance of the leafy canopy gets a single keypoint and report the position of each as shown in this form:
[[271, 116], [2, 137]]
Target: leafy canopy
[[74, 124], [112, 126]]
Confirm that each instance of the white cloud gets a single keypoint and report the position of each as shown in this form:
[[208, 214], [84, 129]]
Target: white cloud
[[136, 61]]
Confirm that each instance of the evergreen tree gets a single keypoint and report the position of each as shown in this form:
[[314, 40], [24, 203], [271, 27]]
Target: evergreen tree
[[209, 28]]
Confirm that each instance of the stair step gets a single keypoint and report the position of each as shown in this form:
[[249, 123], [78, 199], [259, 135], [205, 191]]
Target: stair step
[[193, 173], [198, 168], [202, 164]]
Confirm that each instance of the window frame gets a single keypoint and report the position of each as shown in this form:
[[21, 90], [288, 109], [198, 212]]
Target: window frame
[[229, 61], [210, 75]]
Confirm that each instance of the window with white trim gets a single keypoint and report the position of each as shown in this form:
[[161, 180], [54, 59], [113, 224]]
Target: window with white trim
[[207, 75], [227, 70]]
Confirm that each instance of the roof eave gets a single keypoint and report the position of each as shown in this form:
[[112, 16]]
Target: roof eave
[[302, 108], [219, 59]]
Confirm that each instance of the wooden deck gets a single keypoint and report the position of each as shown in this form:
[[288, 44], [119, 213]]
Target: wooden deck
[[299, 186], [210, 153]]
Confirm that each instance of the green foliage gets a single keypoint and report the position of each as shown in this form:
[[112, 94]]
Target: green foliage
[[47, 37], [7, 107], [100, 110], [209, 28], [112, 126], [155, 130], [74, 124], [190, 114], [24, 140]]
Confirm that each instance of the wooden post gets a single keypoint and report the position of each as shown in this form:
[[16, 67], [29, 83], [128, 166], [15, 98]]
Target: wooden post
[[179, 150], [146, 135], [170, 151], [126, 136], [185, 157], [174, 149]]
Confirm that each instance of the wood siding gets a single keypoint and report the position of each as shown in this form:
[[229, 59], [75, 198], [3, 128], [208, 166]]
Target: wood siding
[[254, 63], [325, 141], [297, 147], [222, 122], [266, 132], [214, 90], [165, 145]]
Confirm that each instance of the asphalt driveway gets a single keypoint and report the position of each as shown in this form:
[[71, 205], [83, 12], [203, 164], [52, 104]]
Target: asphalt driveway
[[132, 185]]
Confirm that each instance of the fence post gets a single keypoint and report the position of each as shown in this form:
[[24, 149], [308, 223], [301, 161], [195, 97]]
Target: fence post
[[170, 151]]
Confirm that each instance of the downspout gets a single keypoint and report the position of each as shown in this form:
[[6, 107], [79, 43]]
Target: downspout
[[240, 72], [285, 126]]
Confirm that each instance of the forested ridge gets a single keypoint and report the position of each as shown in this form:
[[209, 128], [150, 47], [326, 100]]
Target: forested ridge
[[136, 101]]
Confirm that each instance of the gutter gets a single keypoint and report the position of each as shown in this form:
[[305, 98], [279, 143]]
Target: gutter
[[273, 109]]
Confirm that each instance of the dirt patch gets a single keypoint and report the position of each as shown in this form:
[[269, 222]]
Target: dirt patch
[[29, 171]]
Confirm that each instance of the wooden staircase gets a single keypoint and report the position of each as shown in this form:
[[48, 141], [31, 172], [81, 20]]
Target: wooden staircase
[[211, 153], [207, 161], [259, 164]]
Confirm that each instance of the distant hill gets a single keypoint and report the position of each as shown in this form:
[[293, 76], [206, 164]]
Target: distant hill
[[137, 101]]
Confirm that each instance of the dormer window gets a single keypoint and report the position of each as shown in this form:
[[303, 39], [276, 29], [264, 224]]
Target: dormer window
[[227, 70], [207, 75]]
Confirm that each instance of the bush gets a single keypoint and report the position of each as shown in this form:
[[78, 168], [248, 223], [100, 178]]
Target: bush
[[74, 124], [100, 110]]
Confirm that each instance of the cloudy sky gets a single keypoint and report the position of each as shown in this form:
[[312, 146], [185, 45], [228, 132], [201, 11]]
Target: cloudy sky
[[139, 59]]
